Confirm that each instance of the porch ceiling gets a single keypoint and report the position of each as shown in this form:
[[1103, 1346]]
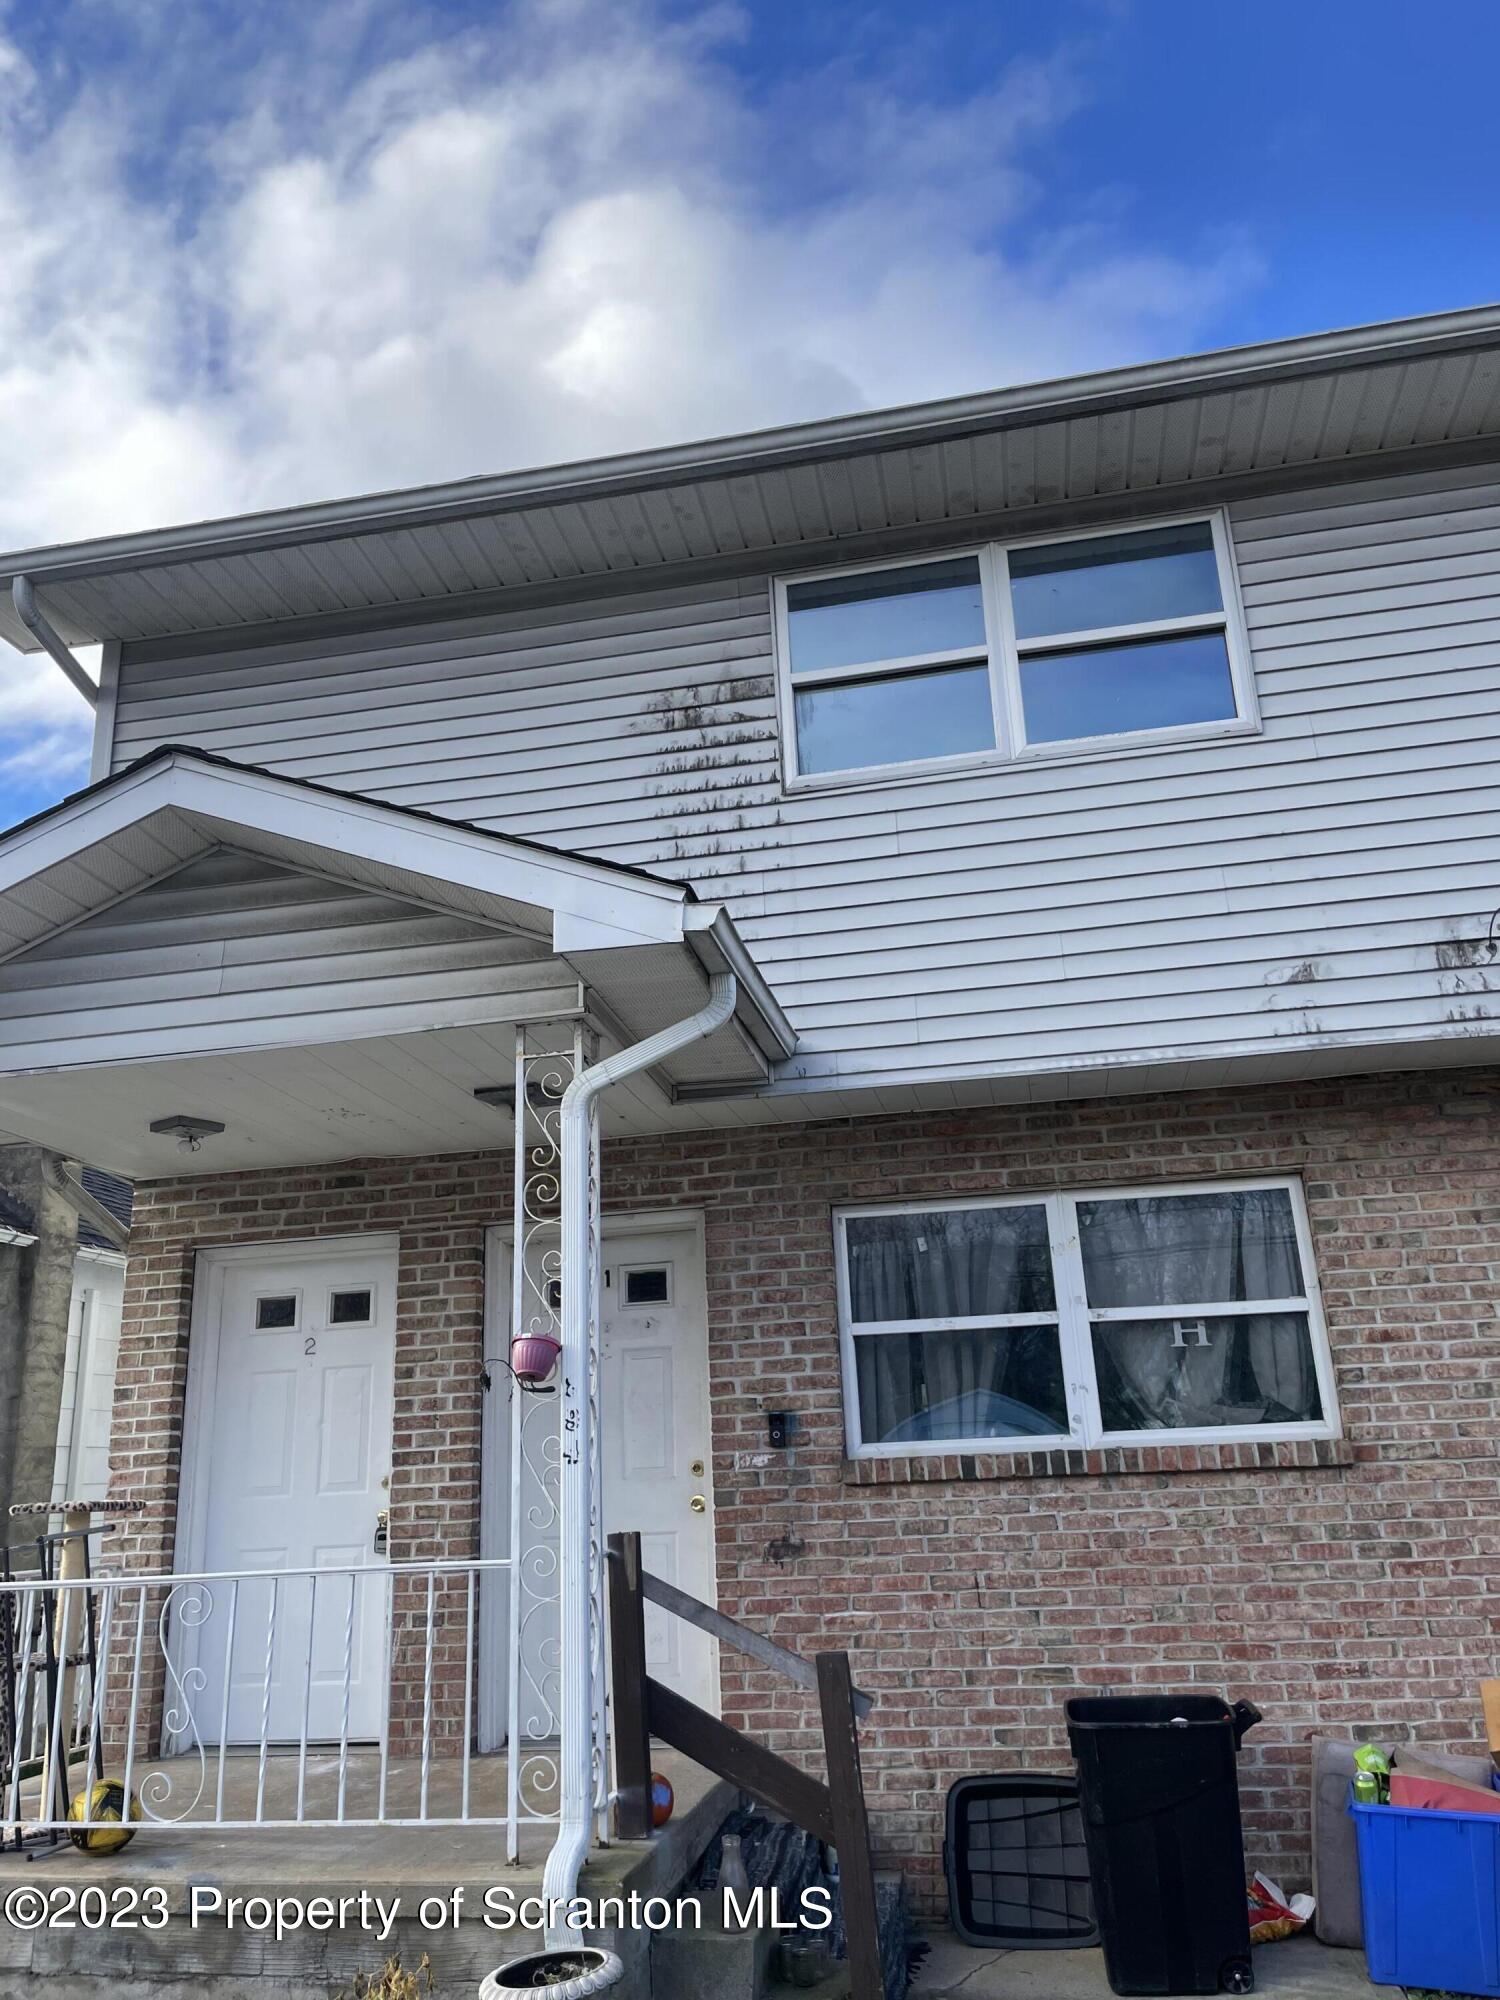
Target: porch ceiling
[[346, 1024], [388, 1097]]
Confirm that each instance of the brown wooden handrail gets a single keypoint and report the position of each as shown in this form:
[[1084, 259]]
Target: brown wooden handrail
[[719, 1625], [833, 1812]]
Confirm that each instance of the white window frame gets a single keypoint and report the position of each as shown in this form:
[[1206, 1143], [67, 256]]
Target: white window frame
[[1074, 1319], [370, 1319], [1005, 652]]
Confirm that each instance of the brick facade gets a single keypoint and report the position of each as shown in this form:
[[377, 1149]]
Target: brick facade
[[1343, 1588]]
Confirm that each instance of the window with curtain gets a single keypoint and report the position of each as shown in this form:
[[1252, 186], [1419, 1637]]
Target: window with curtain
[[1171, 1313]]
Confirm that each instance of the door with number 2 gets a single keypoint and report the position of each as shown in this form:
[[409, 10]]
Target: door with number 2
[[295, 1477]]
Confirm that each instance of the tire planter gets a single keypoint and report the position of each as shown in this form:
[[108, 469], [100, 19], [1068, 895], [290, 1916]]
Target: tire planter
[[581, 1970]]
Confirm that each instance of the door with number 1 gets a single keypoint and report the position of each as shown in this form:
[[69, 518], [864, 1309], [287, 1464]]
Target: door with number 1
[[657, 1467], [655, 1443]]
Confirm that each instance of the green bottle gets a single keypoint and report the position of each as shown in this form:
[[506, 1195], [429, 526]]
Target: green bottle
[[1366, 1789], [1371, 1761]]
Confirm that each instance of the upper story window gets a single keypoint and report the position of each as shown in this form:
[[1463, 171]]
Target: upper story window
[[889, 657], [1013, 650], [1135, 1316]]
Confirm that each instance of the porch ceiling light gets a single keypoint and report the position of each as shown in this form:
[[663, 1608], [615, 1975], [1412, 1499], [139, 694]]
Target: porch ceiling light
[[188, 1132]]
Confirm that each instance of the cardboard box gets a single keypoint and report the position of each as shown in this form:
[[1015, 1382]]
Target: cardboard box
[[1412, 1766], [1440, 1795], [1489, 1694]]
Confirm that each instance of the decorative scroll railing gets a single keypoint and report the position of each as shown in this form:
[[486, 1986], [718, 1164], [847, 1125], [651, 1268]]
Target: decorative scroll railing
[[339, 1696], [538, 1449]]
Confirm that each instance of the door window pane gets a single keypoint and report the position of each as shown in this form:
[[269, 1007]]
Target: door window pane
[[847, 725], [949, 1264], [891, 614], [349, 1308], [1102, 580], [1110, 690], [1190, 1374], [1190, 1249], [280, 1310], [919, 1388], [647, 1287]]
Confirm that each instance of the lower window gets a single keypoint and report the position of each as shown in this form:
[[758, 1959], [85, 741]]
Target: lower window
[[1168, 1315]]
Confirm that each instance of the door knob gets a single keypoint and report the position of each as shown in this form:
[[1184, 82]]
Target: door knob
[[698, 1504]]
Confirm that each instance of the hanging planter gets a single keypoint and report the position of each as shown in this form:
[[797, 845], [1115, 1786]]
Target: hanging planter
[[533, 1356]]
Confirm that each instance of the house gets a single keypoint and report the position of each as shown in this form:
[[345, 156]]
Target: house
[[948, 957], [62, 1277]]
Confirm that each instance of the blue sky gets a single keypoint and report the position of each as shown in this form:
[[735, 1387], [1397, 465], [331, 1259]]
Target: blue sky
[[265, 254]]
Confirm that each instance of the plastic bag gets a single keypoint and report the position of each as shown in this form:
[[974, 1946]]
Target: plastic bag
[[1272, 1913]]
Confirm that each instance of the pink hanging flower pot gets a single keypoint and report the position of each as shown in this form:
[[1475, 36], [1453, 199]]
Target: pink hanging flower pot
[[533, 1356]]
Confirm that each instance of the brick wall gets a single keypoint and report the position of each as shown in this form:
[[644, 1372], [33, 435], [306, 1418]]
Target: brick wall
[[1343, 1588]]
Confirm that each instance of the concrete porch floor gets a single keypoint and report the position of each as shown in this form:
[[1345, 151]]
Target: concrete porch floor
[[1298, 1965], [406, 1855], [220, 1960]]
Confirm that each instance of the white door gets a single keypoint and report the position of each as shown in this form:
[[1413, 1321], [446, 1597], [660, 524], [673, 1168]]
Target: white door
[[88, 1399], [656, 1438], [297, 1473], [657, 1475]]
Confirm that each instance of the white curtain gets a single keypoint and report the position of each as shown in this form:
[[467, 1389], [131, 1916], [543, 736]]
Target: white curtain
[[954, 1264], [1190, 1369]]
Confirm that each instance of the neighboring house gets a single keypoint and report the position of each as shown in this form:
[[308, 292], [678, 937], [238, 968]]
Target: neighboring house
[[18, 1233], [62, 1275], [86, 1407], [1076, 809]]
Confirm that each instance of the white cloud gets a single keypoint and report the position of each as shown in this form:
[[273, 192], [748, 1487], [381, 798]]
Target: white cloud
[[566, 235]]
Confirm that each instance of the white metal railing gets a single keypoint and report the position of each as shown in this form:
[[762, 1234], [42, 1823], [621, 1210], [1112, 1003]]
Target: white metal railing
[[339, 1696]]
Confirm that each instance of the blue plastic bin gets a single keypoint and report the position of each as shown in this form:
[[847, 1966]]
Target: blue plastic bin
[[1429, 1886]]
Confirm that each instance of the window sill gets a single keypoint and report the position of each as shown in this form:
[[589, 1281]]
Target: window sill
[[1306, 1454]]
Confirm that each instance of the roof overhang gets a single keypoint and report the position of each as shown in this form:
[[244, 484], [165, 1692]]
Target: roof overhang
[[1334, 403], [639, 948]]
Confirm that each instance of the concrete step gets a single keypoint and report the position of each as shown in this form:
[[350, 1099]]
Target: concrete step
[[710, 1964]]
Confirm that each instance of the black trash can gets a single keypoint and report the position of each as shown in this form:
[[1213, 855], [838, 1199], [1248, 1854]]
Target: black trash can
[[1161, 1818]]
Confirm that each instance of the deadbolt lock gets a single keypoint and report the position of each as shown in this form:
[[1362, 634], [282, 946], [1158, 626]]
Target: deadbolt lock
[[697, 1468], [698, 1504]]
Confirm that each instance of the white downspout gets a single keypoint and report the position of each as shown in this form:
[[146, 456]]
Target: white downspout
[[41, 628], [560, 1878]]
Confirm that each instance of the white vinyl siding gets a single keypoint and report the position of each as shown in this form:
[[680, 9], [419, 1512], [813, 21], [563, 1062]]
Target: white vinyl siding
[[1250, 906], [1203, 1299], [233, 951]]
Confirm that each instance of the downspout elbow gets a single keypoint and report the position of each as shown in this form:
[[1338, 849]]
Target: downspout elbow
[[31, 615]]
